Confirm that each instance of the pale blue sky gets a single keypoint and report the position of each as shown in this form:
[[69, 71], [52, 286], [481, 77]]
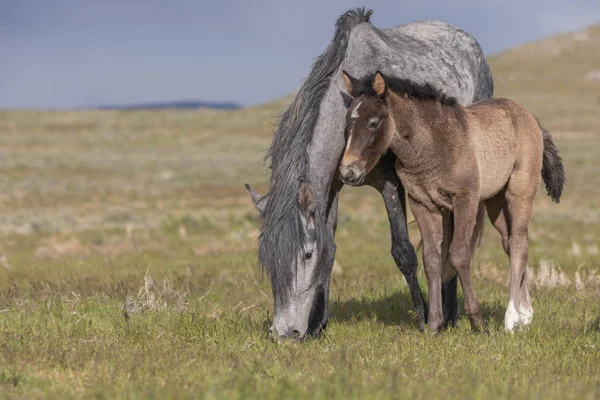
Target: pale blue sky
[[73, 53]]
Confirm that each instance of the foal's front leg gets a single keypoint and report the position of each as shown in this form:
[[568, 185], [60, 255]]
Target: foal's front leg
[[432, 234], [465, 218], [386, 181]]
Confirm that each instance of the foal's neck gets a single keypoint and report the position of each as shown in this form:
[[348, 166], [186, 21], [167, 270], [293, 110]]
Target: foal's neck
[[421, 126]]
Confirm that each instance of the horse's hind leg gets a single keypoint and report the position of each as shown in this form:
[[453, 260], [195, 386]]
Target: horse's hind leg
[[450, 301], [499, 214], [520, 201], [525, 307], [449, 285]]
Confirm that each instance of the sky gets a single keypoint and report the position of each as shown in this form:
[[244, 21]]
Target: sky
[[77, 53]]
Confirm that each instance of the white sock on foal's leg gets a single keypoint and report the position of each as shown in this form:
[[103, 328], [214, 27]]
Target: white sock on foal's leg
[[525, 307], [526, 314], [512, 318]]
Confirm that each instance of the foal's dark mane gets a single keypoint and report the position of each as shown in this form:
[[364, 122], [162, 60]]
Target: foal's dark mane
[[414, 90], [281, 233]]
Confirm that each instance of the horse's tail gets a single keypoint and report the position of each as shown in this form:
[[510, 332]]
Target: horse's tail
[[553, 172]]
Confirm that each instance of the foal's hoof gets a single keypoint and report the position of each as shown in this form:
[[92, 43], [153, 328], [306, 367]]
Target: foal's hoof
[[517, 318], [476, 324], [433, 330], [526, 315]]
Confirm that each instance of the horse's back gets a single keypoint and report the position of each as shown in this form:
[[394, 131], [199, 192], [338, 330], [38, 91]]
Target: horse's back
[[432, 52], [506, 138], [508, 112], [434, 32]]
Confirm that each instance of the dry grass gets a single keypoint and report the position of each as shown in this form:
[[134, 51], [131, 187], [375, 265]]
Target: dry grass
[[153, 298], [551, 77]]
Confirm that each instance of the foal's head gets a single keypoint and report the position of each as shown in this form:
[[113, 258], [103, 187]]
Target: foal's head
[[370, 127]]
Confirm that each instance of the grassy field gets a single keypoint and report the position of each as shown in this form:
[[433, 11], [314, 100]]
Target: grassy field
[[128, 263]]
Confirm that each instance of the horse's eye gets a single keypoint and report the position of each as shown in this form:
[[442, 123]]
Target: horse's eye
[[373, 124], [308, 255]]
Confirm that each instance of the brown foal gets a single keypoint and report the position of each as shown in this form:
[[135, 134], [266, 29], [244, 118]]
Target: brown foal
[[452, 158]]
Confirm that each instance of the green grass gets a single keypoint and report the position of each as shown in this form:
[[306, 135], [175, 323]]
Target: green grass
[[128, 269]]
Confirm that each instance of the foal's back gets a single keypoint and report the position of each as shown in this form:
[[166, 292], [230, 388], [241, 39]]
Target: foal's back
[[505, 136]]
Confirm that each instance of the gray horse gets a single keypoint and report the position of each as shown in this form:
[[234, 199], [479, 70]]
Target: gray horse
[[298, 216]]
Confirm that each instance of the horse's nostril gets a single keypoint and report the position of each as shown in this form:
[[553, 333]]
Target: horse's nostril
[[296, 334], [348, 174], [273, 333]]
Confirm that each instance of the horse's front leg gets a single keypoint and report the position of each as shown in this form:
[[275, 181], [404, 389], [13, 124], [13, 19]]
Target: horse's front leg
[[403, 251], [385, 180], [432, 235], [465, 213]]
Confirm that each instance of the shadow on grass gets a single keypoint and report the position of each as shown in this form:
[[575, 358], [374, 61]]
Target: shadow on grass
[[391, 309], [493, 310], [396, 309]]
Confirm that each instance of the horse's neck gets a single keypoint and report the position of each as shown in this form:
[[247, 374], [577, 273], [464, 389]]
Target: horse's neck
[[327, 143], [416, 123]]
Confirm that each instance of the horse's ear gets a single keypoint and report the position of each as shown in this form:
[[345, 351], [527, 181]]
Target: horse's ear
[[349, 81], [379, 85], [259, 201], [347, 99], [306, 198]]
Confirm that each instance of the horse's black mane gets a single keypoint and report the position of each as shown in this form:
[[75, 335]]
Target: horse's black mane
[[414, 90], [281, 233]]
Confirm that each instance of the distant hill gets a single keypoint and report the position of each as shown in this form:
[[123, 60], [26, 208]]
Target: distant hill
[[557, 77], [183, 104]]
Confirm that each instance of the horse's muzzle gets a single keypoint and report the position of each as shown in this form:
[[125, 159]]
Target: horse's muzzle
[[352, 174]]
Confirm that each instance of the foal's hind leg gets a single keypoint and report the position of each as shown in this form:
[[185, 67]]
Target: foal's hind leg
[[520, 200], [525, 307], [499, 214]]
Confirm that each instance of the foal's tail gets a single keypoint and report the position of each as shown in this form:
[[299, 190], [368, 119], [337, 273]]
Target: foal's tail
[[553, 172]]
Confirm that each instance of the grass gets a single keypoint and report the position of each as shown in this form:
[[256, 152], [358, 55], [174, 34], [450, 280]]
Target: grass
[[128, 269]]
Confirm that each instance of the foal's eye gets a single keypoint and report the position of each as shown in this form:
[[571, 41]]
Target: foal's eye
[[373, 123], [308, 255]]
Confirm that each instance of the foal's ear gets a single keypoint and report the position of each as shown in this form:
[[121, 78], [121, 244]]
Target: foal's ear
[[306, 198], [350, 82], [379, 85]]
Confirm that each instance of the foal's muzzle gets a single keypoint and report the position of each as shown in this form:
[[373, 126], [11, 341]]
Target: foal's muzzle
[[353, 174]]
